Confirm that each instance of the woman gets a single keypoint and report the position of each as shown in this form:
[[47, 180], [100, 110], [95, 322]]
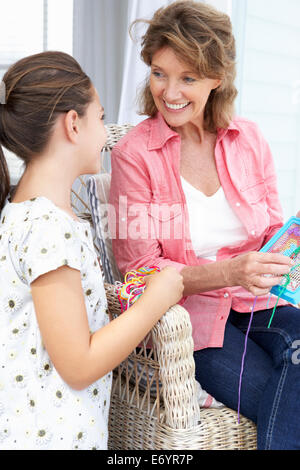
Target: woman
[[194, 187]]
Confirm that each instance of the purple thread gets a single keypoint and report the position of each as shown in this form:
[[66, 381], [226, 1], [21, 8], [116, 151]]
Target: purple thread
[[243, 358]]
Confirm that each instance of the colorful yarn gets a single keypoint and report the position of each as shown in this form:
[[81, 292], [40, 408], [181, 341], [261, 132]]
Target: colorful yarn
[[134, 285], [243, 358]]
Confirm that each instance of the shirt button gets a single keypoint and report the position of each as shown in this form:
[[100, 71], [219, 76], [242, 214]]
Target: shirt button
[[238, 204], [226, 295], [253, 232], [123, 219]]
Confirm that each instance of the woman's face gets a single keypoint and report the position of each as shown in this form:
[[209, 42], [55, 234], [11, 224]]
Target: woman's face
[[178, 92]]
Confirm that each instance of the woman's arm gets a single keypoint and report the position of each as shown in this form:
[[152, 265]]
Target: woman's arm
[[256, 272], [130, 179], [82, 358]]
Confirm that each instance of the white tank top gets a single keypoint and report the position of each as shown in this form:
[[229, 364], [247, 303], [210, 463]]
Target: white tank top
[[213, 224]]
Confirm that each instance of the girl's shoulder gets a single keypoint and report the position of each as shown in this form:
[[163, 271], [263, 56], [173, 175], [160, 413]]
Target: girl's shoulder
[[41, 219], [40, 209], [39, 237]]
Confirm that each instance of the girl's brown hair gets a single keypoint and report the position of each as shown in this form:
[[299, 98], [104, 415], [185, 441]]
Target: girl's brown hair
[[37, 89], [202, 37]]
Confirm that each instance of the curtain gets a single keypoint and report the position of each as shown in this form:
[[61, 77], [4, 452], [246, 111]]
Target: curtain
[[104, 49], [98, 42], [134, 70]]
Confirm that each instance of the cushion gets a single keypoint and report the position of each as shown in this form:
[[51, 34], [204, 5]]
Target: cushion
[[98, 194]]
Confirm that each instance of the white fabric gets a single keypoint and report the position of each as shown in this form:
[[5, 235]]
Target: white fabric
[[135, 71], [38, 409], [213, 223]]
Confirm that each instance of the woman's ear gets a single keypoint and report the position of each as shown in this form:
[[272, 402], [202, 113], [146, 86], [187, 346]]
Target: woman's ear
[[217, 84], [71, 124]]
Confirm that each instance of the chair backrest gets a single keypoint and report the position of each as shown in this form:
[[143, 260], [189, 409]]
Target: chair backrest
[[98, 187], [90, 196]]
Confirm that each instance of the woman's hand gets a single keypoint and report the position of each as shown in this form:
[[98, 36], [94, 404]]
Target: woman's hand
[[257, 272], [165, 287]]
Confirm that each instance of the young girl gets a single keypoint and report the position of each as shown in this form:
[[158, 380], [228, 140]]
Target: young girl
[[57, 346]]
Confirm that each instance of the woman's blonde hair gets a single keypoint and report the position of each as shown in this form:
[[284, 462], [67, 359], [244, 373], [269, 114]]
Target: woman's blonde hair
[[202, 37]]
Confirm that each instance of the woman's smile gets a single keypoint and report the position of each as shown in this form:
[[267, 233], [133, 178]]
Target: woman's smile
[[176, 107]]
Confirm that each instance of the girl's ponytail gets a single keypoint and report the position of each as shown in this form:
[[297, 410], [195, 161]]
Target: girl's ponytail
[[4, 173], [4, 179]]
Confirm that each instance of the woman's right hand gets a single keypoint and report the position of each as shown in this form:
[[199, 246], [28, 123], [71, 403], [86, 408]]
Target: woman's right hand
[[257, 272], [165, 286]]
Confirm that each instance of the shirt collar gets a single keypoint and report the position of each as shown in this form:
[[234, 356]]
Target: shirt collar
[[232, 130], [160, 132]]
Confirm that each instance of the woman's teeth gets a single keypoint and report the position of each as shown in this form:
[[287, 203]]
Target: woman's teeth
[[176, 106]]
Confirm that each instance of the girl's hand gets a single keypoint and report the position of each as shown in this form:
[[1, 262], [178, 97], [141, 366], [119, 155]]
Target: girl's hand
[[257, 272], [165, 286]]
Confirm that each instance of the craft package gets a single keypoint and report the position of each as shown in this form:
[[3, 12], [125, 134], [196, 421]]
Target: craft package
[[287, 242]]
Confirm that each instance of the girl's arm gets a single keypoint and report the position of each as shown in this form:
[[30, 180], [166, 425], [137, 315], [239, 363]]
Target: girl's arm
[[80, 357]]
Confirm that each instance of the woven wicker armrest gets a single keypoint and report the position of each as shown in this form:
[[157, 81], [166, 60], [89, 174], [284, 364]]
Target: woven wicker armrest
[[113, 302], [173, 340], [173, 345]]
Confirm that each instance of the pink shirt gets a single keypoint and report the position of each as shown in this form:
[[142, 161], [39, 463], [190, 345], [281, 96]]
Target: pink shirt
[[150, 225]]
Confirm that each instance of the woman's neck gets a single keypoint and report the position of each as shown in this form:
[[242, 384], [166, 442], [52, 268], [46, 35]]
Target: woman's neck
[[192, 132]]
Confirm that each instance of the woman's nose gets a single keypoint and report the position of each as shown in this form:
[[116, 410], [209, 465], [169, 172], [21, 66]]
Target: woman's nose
[[172, 92]]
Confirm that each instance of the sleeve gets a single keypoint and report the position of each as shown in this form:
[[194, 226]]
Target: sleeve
[[130, 223], [45, 244]]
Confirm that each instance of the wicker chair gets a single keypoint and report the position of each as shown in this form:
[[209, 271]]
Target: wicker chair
[[154, 403]]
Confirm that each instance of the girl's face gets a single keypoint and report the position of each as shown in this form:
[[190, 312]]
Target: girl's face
[[178, 92], [93, 136]]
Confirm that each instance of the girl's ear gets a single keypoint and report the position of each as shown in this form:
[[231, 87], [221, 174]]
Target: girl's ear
[[71, 124]]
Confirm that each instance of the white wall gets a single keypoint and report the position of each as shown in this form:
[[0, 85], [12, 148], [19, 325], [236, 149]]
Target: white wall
[[223, 5], [269, 84]]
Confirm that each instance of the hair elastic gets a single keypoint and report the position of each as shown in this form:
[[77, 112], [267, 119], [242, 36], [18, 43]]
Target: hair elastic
[[2, 92], [133, 286]]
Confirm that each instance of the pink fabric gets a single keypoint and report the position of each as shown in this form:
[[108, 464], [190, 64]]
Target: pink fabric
[[146, 183]]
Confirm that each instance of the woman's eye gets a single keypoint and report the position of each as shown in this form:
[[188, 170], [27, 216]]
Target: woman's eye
[[189, 79], [157, 74], [103, 117]]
